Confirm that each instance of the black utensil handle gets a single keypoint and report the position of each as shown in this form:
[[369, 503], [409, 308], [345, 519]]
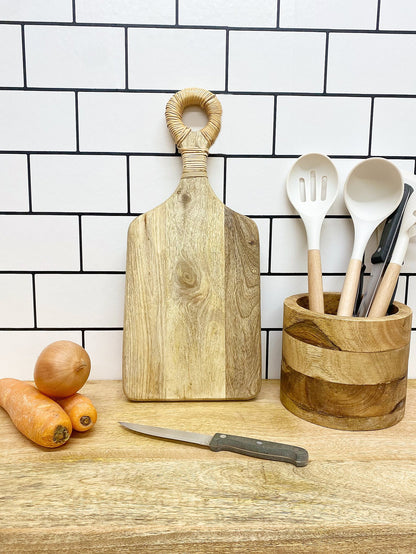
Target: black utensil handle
[[391, 229], [260, 449]]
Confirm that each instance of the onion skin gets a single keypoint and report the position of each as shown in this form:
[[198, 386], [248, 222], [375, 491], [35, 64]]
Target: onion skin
[[61, 369]]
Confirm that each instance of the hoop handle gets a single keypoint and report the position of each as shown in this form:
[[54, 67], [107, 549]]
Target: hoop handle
[[193, 97]]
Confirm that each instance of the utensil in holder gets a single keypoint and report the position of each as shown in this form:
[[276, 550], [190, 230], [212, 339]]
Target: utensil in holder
[[344, 372]]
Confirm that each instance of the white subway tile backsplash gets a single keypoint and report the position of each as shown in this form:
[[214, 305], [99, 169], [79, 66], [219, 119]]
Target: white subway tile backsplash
[[78, 57], [28, 345], [263, 225], [275, 354], [104, 241], [161, 12], [247, 125], [73, 183], [328, 14], [36, 10], [123, 122], [80, 300], [412, 357], [394, 123], [105, 350], [11, 58], [16, 301], [333, 125], [14, 194], [176, 58], [388, 71], [233, 13], [411, 296], [269, 61], [289, 245], [39, 243], [35, 120], [398, 15], [154, 178]]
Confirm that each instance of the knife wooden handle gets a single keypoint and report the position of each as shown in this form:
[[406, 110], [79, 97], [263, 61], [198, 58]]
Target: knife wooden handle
[[267, 450], [385, 291], [315, 287]]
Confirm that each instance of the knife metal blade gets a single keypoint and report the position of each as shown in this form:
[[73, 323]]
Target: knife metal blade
[[266, 450], [381, 257]]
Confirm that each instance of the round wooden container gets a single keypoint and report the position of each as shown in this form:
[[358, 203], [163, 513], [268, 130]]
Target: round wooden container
[[344, 372]]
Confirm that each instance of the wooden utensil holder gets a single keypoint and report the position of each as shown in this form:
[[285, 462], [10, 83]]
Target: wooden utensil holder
[[344, 372]]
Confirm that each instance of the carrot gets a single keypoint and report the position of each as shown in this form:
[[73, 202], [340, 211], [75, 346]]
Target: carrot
[[36, 416], [80, 409]]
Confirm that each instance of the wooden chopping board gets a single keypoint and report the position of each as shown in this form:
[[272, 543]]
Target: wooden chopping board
[[192, 297]]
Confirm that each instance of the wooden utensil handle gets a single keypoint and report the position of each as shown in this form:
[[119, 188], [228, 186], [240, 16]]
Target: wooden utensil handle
[[349, 290], [315, 287], [385, 291], [194, 97]]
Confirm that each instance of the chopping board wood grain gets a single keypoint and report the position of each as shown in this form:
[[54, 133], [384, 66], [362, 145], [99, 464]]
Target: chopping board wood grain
[[192, 297]]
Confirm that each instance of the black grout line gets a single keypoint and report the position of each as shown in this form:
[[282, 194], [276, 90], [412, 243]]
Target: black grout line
[[266, 361], [176, 13], [74, 12], [126, 57], [277, 14], [326, 63], [378, 15], [29, 182], [227, 59], [271, 29], [128, 183], [274, 131], [76, 123], [370, 131], [35, 318], [81, 261], [224, 192], [23, 57], [269, 261], [406, 293], [83, 338]]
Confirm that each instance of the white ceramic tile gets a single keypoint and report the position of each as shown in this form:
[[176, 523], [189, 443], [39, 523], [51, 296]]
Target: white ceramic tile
[[11, 60], [154, 178], [328, 14], [247, 125], [233, 13], [387, 73], [176, 58], [123, 122], [19, 350], [394, 124], [333, 125], [126, 11], [105, 350], [39, 243], [85, 300], [283, 62], [275, 354], [263, 335], [275, 288], [74, 183], [36, 10], [35, 120], [104, 241], [263, 225], [398, 15], [78, 57], [411, 295], [14, 194], [16, 301], [289, 245]]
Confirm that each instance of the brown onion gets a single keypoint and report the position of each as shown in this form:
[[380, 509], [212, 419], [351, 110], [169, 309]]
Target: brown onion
[[62, 369]]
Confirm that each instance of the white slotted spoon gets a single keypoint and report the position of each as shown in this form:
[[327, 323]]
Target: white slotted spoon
[[386, 288], [312, 186]]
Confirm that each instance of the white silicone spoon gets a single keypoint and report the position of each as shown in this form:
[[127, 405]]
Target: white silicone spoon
[[372, 191], [312, 186], [386, 288]]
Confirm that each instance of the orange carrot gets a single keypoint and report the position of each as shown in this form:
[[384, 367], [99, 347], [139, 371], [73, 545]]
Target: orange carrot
[[36, 416], [80, 409]]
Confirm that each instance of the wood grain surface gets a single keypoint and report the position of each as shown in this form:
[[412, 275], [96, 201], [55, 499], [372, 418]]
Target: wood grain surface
[[192, 299], [110, 490]]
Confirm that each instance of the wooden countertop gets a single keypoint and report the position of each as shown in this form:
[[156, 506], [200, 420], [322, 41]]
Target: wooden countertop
[[111, 490]]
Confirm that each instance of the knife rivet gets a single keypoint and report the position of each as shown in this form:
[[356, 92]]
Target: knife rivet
[[223, 436], [259, 442]]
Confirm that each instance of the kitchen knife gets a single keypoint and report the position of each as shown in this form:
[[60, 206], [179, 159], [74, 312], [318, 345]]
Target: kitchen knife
[[273, 451], [381, 257]]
